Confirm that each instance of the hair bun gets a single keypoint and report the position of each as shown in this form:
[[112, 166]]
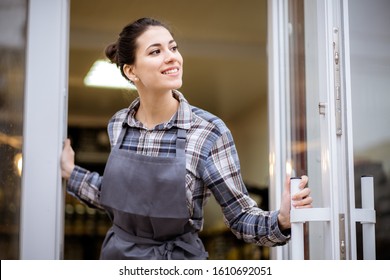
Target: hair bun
[[111, 53]]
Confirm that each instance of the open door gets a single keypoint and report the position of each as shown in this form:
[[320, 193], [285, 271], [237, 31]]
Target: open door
[[311, 128], [44, 129]]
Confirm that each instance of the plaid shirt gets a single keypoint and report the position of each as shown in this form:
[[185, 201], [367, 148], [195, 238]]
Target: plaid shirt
[[212, 166]]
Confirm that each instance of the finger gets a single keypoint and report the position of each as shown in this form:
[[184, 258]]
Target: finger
[[305, 203], [304, 206], [305, 192], [301, 194], [287, 184], [66, 142], [304, 181]]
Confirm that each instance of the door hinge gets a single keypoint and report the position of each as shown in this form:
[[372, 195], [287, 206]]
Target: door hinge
[[337, 84]]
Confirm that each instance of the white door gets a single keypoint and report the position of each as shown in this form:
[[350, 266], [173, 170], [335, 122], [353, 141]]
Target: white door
[[311, 127], [44, 129]]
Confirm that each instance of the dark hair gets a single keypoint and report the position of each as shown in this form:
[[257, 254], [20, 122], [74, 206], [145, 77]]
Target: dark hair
[[123, 50]]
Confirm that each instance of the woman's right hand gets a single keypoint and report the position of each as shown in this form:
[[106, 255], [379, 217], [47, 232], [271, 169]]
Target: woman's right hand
[[67, 160]]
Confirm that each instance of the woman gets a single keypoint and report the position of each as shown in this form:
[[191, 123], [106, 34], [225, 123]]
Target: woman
[[167, 158]]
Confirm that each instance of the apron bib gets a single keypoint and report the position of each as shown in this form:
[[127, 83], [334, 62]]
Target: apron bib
[[146, 200]]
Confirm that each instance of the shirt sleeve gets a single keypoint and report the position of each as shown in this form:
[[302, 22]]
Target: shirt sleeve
[[242, 215], [85, 185]]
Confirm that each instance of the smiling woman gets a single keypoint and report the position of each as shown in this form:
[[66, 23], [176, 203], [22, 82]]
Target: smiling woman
[[155, 68], [225, 74], [167, 158]]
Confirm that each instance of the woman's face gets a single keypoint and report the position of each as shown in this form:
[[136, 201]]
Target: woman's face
[[158, 64]]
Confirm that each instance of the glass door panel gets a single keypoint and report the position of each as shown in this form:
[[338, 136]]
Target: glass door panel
[[303, 120], [12, 69], [370, 72]]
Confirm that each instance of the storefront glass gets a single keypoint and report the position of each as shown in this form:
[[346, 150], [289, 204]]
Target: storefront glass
[[12, 72], [370, 72]]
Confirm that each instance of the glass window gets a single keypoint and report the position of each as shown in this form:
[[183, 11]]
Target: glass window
[[304, 133], [370, 72], [12, 71]]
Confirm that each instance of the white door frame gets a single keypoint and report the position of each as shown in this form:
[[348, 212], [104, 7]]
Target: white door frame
[[45, 125]]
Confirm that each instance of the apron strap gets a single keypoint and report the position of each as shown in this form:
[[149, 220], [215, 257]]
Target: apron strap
[[121, 135], [125, 125], [181, 142]]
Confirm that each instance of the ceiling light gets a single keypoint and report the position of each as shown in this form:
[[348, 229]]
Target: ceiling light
[[106, 74]]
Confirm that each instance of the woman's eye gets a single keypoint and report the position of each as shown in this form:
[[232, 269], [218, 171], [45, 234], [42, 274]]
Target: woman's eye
[[175, 48], [155, 52]]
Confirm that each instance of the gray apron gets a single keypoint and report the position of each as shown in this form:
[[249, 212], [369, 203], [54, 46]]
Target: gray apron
[[145, 197]]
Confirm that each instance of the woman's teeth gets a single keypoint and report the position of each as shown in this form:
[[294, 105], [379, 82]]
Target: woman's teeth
[[171, 71]]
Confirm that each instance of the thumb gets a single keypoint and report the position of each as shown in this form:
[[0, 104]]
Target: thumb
[[287, 184], [67, 142]]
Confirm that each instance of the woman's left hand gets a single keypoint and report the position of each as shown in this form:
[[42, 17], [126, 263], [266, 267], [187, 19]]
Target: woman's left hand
[[302, 199]]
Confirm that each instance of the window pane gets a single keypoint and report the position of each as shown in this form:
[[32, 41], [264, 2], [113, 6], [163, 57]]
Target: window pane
[[370, 72], [12, 67], [303, 119]]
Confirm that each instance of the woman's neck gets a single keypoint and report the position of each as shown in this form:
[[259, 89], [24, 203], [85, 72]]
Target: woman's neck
[[156, 109]]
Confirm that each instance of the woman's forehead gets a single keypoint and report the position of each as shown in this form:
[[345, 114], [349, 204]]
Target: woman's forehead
[[154, 35]]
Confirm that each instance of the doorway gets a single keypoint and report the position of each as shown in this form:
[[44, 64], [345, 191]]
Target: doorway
[[224, 50]]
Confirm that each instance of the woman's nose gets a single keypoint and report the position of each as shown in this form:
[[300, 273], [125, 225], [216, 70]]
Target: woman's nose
[[170, 56]]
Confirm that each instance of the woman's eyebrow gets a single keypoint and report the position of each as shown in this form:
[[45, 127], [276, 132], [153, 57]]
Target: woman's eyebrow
[[159, 44]]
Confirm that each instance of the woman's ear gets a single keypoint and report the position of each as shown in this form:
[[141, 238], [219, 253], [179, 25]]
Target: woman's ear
[[128, 70]]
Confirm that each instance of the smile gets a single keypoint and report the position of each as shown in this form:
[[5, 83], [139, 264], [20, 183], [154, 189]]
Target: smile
[[171, 71]]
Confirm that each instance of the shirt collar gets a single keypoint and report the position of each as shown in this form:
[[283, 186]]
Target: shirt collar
[[182, 118]]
